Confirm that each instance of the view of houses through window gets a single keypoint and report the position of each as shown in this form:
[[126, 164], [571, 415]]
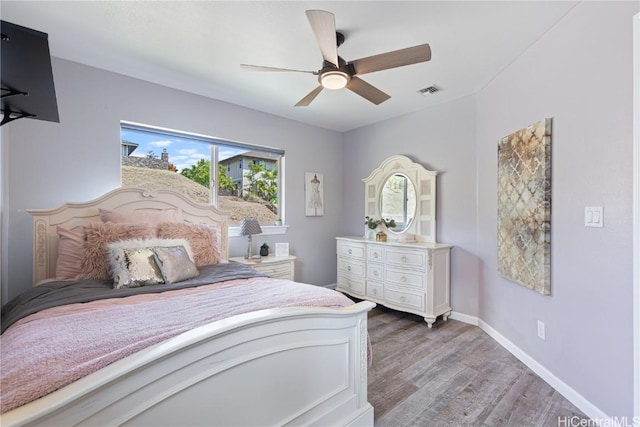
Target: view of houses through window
[[246, 182]]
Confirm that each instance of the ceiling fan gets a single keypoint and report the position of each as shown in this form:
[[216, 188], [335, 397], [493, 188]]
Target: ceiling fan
[[336, 73]]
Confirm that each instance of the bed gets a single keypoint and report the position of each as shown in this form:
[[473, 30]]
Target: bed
[[242, 363]]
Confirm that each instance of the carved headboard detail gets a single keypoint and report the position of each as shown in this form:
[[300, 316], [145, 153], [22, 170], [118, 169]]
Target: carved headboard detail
[[74, 216]]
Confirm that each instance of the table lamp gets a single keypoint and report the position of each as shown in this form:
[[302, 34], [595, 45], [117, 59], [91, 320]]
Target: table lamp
[[248, 227]]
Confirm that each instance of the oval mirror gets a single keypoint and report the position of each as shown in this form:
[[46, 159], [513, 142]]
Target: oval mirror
[[398, 201]]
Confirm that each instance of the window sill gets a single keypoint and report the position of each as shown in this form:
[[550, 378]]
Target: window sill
[[267, 230]]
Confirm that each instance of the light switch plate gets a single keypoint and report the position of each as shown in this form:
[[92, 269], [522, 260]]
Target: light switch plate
[[594, 216]]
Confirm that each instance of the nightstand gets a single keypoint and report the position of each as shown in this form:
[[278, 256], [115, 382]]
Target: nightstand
[[278, 267]]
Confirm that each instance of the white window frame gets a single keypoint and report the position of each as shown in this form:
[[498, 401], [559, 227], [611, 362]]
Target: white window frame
[[234, 230]]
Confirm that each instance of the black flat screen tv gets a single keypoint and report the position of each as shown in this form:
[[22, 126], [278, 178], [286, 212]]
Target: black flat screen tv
[[27, 78]]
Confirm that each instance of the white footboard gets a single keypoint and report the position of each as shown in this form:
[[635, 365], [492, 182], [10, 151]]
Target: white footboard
[[286, 366]]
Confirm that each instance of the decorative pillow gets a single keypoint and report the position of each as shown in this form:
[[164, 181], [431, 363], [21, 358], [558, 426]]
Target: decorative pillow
[[151, 217], [203, 239], [68, 263], [175, 264], [95, 264], [136, 267], [146, 272], [116, 247]]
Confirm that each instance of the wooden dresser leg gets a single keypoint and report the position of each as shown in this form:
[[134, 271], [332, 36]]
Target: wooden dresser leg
[[430, 321]]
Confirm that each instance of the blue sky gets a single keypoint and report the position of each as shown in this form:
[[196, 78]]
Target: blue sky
[[183, 152]]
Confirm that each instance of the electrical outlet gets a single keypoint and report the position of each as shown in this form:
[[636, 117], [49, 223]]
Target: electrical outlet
[[541, 333]]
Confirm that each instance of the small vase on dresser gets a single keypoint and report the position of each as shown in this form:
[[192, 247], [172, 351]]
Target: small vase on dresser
[[369, 233]]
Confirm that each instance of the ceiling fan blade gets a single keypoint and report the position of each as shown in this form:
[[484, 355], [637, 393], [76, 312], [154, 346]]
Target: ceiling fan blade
[[396, 58], [365, 90], [323, 25], [261, 68], [310, 97]]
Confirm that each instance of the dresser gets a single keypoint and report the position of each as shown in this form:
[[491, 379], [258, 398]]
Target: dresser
[[278, 267], [410, 277]]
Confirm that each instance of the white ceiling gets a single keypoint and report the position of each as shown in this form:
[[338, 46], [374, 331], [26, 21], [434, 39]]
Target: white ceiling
[[199, 46]]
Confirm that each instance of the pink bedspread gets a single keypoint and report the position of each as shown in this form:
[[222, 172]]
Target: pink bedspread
[[50, 349]]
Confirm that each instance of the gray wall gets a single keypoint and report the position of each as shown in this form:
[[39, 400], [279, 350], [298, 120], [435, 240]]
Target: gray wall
[[580, 74], [79, 159]]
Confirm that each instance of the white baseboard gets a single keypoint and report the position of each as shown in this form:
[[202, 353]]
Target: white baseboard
[[472, 320]]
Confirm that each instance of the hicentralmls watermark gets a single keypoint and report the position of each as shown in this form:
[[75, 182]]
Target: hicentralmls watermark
[[576, 421]]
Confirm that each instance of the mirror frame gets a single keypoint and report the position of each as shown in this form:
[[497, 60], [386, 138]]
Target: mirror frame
[[424, 182]]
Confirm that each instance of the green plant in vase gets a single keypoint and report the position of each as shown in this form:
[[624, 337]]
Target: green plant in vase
[[371, 223]]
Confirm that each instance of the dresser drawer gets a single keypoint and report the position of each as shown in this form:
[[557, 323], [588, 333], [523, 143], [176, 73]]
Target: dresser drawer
[[375, 290], [401, 298], [407, 258], [277, 271], [350, 284], [351, 267], [375, 271], [278, 267], [375, 253], [404, 278], [351, 249]]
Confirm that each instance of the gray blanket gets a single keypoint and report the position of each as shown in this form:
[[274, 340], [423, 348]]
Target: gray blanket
[[54, 294]]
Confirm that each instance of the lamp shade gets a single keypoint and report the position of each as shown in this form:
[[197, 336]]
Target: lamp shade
[[249, 226]]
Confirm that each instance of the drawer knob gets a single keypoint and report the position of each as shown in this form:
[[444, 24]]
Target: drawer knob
[[349, 251], [403, 259], [374, 291], [375, 273], [403, 279], [349, 268], [375, 254], [402, 299]]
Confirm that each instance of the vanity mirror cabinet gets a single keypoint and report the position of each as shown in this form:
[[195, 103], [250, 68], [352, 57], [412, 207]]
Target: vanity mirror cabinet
[[410, 271]]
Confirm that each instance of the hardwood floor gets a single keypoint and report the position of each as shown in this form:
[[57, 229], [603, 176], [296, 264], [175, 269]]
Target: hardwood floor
[[454, 375]]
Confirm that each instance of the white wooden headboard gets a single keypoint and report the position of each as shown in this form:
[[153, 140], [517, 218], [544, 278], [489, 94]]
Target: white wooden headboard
[[74, 216]]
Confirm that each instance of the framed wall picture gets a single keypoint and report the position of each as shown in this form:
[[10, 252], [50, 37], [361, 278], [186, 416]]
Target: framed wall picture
[[524, 207], [282, 249], [313, 194]]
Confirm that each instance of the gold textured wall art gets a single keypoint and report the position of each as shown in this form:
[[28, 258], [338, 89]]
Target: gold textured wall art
[[524, 207]]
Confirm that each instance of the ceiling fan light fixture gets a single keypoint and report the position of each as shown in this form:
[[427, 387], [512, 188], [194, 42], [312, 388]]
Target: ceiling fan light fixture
[[334, 80]]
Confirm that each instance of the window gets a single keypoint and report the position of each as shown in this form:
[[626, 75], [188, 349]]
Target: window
[[154, 157]]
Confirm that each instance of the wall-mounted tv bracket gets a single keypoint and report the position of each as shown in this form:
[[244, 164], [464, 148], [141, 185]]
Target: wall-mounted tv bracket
[[27, 88], [8, 115]]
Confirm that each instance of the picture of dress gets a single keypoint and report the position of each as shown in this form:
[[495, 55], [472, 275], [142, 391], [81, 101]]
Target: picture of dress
[[314, 191]]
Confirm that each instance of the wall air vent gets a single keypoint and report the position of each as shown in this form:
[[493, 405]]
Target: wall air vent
[[429, 89]]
